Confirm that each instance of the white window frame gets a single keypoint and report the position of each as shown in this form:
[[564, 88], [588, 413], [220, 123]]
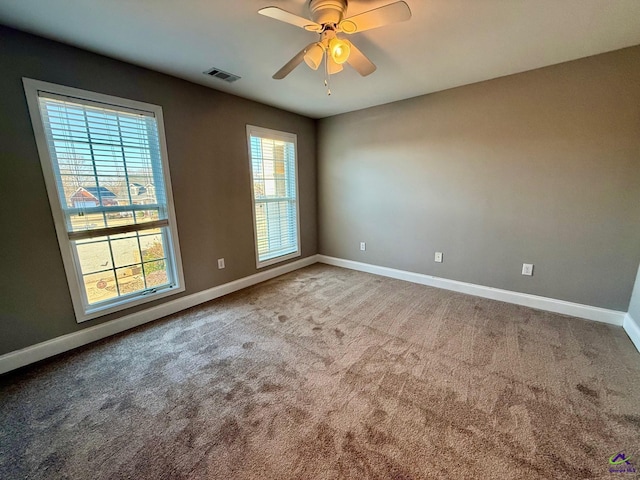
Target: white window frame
[[84, 311], [285, 137]]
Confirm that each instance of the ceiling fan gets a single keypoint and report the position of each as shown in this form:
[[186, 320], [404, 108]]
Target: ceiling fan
[[328, 20]]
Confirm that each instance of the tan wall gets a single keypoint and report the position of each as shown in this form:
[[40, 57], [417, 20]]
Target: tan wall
[[206, 139], [541, 167]]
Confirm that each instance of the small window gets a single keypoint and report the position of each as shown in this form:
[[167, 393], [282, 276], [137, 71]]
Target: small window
[[105, 166], [275, 194]]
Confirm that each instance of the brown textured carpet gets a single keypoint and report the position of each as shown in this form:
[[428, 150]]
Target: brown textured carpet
[[329, 373]]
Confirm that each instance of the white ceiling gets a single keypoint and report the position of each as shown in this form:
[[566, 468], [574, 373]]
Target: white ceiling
[[447, 43]]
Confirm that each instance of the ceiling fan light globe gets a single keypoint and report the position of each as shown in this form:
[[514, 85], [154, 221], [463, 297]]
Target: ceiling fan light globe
[[313, 56], [339, 50], [334, 67]]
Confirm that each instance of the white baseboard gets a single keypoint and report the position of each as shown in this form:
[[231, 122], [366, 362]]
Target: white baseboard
[[632, 327], [40, 351], [542, 303]]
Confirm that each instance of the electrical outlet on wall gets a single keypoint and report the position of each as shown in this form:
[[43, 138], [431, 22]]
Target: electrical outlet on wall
[[438, 257], [527, 269], [220, 263], [363, 246]]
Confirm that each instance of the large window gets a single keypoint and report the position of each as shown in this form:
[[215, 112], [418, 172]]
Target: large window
[[275, 194], [105, 166]]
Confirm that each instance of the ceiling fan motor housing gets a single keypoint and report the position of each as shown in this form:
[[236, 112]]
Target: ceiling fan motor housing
[[327, 11]]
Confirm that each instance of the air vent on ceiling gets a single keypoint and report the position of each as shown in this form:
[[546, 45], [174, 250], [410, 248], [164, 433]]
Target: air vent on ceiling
[[222, 75]]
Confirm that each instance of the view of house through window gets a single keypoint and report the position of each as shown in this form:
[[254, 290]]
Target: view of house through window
[[273, 173], [109, 177]]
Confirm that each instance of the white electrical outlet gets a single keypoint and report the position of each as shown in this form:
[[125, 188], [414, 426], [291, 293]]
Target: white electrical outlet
[[527, 269], [438, 257], [220, 263], [363, 246]]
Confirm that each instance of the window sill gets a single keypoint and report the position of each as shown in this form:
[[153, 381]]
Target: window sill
[[96, 312], [273, 261]]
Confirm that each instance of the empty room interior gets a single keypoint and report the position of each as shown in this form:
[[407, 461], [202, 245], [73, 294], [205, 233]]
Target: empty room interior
[[320, 239]]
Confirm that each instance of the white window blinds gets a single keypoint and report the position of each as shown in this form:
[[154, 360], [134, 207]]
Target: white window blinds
[[107, 166], [273, 169]]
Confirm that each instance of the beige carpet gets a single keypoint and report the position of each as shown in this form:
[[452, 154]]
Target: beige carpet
[[329, 373]]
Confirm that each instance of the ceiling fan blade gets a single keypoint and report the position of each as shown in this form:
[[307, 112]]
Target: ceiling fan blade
[[287, 17], [293, 63], [378, 17], [360, 62]]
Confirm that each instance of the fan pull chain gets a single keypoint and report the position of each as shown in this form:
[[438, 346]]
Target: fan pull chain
[[327, 74]]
